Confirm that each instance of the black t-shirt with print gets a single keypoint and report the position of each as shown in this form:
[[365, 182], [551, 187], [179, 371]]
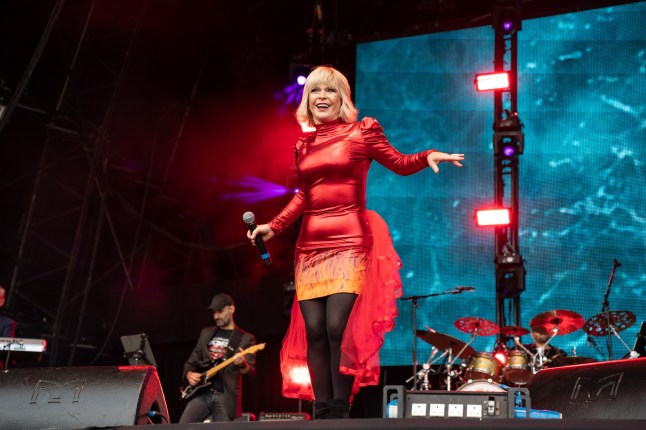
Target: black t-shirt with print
[[218, 348]]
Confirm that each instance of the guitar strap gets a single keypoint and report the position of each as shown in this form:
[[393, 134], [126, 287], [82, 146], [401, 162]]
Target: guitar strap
[[234, 343]]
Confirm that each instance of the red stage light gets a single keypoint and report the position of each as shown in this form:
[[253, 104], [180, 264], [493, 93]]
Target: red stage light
[[492, 81], [501, 356], [300, 375], [492, 217]]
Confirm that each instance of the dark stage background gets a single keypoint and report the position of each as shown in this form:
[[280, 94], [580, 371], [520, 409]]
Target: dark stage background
[[140, 131]]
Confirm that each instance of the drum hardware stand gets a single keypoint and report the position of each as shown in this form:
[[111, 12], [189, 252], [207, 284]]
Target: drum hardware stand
[[527, 351], [538, 359], [594, 344], [540, 350], [449, 376], [449, 361], [426, 368], [631, 353], [605, 307], [414, 300]]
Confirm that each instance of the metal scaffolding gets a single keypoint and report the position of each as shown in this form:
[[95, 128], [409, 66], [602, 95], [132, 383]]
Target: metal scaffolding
[[78, 246], [508, 144]]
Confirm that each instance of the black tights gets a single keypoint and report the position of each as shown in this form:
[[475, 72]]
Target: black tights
[[325, 321]]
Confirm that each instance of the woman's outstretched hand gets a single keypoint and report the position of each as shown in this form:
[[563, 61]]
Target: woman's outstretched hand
[[263, 230], [435, 158]]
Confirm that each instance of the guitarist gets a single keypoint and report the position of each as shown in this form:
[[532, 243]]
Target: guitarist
[[220, 398]]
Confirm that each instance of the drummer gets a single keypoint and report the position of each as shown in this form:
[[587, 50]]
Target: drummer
[[545, 354]]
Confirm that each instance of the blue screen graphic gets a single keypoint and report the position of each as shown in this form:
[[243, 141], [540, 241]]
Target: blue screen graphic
[[582, 99]]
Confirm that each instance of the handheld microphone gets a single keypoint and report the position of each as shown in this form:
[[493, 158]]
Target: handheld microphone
[[250, 219], [463, 288], [616, 262]]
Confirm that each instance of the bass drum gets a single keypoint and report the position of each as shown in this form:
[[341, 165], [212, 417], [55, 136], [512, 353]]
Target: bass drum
[[482, 386]]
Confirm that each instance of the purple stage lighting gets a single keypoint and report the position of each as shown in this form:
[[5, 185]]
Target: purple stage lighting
[[260, 190], [509, 151], [290, 95], [508, 25]]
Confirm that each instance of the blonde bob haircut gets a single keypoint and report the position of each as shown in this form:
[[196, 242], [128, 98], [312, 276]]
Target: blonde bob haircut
[[328, 76]]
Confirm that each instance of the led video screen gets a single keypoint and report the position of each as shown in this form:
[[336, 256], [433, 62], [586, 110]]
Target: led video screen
[[581, 97]]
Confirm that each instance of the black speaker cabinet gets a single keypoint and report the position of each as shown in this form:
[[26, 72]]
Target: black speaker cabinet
[[608, 390], [77, 397]]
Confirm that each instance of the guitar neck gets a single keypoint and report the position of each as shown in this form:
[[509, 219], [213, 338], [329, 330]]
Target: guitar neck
[[212, 371]]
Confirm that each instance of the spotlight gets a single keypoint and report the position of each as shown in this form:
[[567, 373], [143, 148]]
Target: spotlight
[[509, 151], [507, 16], [298, 73], [292, 93], [508, 146], [300, 376], [492, 81], [509, 139], [500, 353], [492, 217], [510, 277]]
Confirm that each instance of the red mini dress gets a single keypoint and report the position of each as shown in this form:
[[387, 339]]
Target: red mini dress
[[342, 247]]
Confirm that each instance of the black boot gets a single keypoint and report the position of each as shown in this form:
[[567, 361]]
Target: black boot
[[339, 409], [321, 411]]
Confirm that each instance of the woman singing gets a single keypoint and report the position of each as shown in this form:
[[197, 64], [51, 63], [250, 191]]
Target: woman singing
[[346, 270]]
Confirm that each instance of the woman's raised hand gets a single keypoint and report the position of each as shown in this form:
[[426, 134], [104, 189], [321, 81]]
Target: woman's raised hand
[[435, 158]]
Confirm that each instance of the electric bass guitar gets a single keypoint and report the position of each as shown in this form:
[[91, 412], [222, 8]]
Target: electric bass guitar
[[192, 390]]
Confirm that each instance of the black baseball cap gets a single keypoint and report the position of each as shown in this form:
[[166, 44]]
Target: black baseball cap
[[220, 301]]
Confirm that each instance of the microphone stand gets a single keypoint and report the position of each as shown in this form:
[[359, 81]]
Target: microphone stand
[[605, 308], [414, 300]]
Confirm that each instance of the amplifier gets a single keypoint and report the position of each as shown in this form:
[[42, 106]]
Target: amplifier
[[283, 416], [26, 345], [401, 403]]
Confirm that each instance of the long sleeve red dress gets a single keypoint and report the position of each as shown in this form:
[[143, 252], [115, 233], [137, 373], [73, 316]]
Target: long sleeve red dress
[[342, 247]]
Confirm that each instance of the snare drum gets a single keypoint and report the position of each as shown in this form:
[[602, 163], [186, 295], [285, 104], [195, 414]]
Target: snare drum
[[482, 386], [482, 366], [516, 372]]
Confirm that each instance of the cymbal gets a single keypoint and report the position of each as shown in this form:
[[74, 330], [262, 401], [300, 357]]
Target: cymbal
[[598, 324], [514, 330], [563, 320], [477, 326], [443, 342], [567, 361]]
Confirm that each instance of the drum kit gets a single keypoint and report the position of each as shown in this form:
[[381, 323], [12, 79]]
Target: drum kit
[[485, 371]]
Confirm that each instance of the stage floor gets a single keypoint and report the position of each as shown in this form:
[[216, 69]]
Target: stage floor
[[414, 423]]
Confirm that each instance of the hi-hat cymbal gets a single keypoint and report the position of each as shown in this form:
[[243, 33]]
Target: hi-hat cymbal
[[443, 342], [477, 326], [514, 330], [562, 320], [619, 320]]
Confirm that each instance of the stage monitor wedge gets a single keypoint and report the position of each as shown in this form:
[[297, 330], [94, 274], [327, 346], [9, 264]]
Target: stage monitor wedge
[[79, 397], [608, 390]]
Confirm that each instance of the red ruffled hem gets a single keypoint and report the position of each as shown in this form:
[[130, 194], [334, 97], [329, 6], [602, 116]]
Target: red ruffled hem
[[373, 315]]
